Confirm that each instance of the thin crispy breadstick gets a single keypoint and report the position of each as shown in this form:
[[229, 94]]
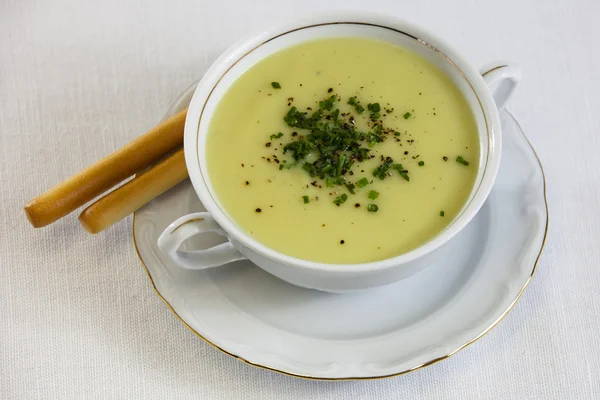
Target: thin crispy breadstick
[[134, 194], [106, 173]]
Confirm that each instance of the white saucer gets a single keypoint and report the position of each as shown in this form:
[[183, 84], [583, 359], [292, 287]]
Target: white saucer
[[382, 332]]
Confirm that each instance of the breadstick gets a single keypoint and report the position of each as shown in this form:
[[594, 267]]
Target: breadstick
[[106, 173], [134, 194]]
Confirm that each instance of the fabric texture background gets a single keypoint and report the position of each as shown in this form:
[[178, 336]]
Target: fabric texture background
[[78, 316]]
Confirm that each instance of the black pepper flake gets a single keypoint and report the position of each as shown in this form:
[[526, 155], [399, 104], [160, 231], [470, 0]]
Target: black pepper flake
[[406, 152], [247, 183], [294, 133], [329, 90], [342, 241], [242, 165], [258, 210], [268, 144], [445, 158], [357, 205]]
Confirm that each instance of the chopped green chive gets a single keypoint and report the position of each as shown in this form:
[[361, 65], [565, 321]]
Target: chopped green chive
[[373, 194], [462, 161], [374, 109], [340, 199], [306, 200], [362, 182], [341, 163], [350, 187], [329, 182], [286, 165], [355, 103], [442, 213], [381, 171], [327, 104], [275, 85], [372, 208], [401, 171], [407, 115], [421, 163], [276, 136]]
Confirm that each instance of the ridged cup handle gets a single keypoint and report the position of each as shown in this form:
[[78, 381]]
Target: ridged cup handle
[[190, 225], [502, 78]]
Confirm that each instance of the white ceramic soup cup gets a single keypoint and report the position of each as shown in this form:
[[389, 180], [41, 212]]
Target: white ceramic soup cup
[[477, 89]]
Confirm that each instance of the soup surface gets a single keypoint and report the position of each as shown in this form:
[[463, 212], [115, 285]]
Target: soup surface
[[381, 176]]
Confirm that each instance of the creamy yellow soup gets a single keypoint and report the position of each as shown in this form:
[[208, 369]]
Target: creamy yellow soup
[[426, 125]]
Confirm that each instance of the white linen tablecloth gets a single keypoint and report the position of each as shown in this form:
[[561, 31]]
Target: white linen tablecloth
[[78, 316]]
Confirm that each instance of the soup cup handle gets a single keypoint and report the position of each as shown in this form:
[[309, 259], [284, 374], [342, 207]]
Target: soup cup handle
[[193, 224], [502, 79]]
